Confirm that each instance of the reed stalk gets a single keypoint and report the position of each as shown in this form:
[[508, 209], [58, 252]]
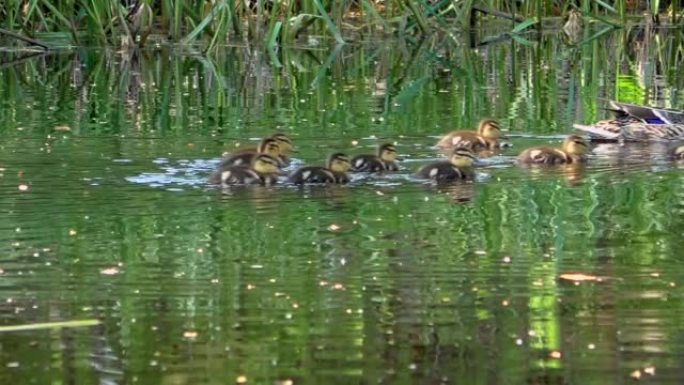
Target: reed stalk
[[107, 23]]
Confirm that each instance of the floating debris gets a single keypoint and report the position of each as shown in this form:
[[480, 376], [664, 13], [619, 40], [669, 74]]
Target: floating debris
[[110, 271], [190, 334], [578, 277]]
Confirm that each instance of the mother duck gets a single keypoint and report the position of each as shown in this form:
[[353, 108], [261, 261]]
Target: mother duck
[[634, 123]]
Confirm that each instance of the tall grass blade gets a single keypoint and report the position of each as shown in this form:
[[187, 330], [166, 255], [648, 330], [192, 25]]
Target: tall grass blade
[[368, 7], [523, 25], [273, 36], [204, 23], [420, 18], [606, 6], [328, 22]]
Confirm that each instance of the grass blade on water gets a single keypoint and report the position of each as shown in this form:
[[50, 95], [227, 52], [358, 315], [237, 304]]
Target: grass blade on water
[[50, 325]]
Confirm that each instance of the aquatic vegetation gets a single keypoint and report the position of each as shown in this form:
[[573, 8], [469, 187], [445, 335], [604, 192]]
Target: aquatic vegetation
[[275, 23]]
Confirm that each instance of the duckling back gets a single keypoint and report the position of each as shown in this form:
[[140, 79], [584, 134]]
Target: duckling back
[[233, 175], [383, 160], [315, 174], [371, 163], [486, 137], [267, 146], [444, 172], [543, 155], [466, 139], [574, 150]]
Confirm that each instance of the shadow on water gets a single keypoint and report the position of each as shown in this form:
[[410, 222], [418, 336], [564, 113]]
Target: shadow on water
[[106, 215]]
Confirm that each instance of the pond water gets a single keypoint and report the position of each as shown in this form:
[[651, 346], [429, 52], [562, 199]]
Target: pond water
[[105, 215]]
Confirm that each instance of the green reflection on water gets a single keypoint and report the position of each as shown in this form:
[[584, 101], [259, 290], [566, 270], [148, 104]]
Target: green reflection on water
[[414, 284]]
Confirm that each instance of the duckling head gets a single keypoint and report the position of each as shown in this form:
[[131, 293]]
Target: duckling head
[[265, 164], [575, 145], [462, 157], [338, 162], [284, 142], [269, 146], [387, 152], [489, 129]]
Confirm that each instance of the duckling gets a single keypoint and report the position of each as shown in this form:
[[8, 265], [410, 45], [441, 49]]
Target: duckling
[[486, 137], [286, 146], [263, 170], [268, 146], [384, 160], [335, 171], [456, 168], [573, 150]]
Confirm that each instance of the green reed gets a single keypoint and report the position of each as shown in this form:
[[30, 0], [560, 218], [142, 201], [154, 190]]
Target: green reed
[[108, 22]]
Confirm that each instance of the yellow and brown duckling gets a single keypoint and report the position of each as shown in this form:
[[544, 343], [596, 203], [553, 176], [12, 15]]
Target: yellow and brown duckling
[[335, 171], [573, 150], [286, 146], [285, 143], [486, 138], [458, 167], [385, 159], [244, 157], [263, 170]]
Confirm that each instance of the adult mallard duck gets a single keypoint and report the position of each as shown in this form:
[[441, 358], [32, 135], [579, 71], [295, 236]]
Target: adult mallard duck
[[677, 152], [263, 170], [573, 150], [637, 123], [244, 157], [383, 160], [458, 167], [486, 138], [335, 171]]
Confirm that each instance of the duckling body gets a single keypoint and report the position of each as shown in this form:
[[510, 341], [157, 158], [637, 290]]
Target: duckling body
[[317, 174], [263, 170], [574, 150], [335, 171], [444, 172], [458, 167], [245, 157], [383, 160], [486, 138]]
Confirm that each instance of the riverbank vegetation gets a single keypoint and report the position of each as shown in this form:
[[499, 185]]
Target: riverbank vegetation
[[284, 22]]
